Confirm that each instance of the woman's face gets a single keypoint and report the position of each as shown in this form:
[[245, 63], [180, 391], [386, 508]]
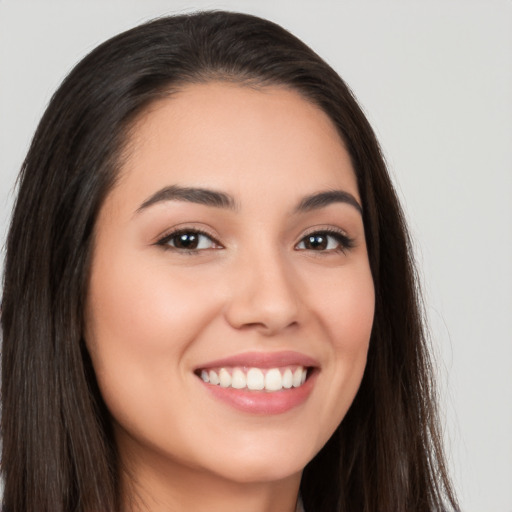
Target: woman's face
[[230, 256]]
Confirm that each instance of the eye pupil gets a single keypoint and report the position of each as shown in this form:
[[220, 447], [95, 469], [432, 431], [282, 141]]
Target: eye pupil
[[186, 241], [316, 242]]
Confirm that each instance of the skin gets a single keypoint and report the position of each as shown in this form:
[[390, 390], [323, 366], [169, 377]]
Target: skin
[[155, 312]]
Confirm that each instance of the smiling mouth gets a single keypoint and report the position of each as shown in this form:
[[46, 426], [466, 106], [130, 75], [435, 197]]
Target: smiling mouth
[[256, 379]]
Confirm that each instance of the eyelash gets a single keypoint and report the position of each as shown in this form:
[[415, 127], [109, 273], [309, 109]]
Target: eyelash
[[344, 242], [164, 241]]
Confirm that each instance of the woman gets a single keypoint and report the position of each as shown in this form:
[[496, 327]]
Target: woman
[[209, 299]]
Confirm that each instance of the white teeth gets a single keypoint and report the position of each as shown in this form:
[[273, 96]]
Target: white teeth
[[287, 379], [224, 378], [238, 380], [273, 379], [297, 377], [255, 379], [214, 378]]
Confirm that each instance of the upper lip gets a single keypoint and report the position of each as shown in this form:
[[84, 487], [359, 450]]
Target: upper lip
[[262, 360]]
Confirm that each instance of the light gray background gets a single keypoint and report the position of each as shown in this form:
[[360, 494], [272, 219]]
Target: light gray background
[[436, 82]]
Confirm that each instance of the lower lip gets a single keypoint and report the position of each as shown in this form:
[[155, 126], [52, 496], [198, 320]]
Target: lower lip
[[263, 402]]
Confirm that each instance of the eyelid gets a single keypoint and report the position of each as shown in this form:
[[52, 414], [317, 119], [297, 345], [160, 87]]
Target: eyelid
[[346, 242], [325, 229], [163, 239]]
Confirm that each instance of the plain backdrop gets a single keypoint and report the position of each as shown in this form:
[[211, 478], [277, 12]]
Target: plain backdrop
[[435, 79]]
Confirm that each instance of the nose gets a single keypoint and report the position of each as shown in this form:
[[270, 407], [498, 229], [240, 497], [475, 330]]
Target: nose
[[264, 295]]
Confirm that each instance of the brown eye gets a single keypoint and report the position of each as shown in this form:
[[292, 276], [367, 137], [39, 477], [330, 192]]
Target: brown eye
[[316, 242], [325, 241], [188, 241]]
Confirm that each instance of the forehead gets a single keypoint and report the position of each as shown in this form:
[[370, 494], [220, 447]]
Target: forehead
[[223, 135]]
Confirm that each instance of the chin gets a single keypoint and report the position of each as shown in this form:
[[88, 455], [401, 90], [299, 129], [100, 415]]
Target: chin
[[256, 463], [262, 471]]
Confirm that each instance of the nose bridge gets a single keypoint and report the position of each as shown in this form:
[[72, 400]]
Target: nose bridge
[[264, 291]]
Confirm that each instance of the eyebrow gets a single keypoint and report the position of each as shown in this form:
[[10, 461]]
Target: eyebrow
[[217, 199], [202, 196], [323, 199]]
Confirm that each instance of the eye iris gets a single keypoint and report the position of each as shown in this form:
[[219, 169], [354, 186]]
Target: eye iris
[[317, 242], [186, 241]]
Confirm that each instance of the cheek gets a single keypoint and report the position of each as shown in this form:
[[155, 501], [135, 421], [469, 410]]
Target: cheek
[[140, 321], [354, 319], [352, 325], [346, 313], [144, 305], [345, 304]]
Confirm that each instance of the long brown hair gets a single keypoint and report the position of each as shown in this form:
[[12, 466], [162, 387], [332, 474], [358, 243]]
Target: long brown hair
[[58, 449]]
